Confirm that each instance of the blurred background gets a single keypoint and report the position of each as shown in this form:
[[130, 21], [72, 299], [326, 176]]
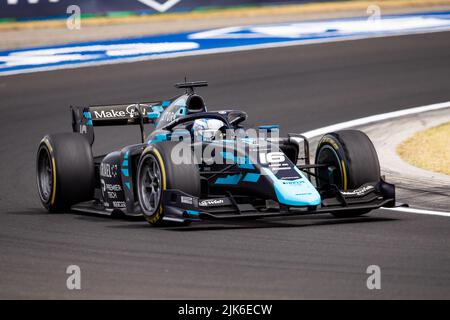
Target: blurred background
[[17, 10], [27, 23]]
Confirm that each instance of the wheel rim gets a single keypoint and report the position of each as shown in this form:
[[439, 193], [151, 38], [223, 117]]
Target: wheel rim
[[45, 175], [328, 155], [150, 184]]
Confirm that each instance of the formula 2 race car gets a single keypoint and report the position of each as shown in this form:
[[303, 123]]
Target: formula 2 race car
[[188, 168]]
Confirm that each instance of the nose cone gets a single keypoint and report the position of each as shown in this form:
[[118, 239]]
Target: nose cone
[[299, 192]]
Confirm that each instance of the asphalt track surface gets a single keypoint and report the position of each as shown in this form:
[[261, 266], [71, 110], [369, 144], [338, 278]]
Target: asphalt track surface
[[301, 88]]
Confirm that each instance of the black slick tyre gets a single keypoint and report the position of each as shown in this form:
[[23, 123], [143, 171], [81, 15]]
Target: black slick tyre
[[158, 172], [354, 161], [64, 171]]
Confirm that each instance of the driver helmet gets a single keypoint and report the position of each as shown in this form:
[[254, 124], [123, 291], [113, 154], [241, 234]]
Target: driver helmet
[[207, 129]]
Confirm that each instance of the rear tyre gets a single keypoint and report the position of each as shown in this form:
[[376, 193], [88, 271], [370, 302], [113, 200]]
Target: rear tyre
[[354, 162], [64, 171], [157, 173]]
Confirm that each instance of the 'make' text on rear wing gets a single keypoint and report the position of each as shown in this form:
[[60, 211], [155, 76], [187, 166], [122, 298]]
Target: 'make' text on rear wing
[[85, 118]]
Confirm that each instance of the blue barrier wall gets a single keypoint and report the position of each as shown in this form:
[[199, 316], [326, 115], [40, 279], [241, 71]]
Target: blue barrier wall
[[22, 9]]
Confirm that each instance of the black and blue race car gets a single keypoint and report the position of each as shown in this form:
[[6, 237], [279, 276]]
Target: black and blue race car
[[196, 164]]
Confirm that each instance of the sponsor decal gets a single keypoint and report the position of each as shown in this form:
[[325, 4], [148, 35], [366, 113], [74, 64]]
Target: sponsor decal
[[109, 114], [331, 142], [111, 195], [187, 200], [113, 187], [271, 157], [292, 181], [133, 110], [211, 202], [108, 170], [169, 116], [278, 168], [130, 111], [109, 190], [359, 192], [119, 204]]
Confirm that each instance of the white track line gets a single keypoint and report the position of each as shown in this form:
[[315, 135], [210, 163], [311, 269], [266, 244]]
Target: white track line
[[375, 118], [419, 211], [381, 117]]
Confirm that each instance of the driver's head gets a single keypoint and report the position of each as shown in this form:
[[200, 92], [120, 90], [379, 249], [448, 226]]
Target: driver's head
[[207, 129]]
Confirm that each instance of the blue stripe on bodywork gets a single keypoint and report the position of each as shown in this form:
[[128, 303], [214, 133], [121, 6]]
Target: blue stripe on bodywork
[[269, 127], [251, 177], [158, 138], [87, 115], [157, 109], [153, 115], [231, 179], [242, 162], [192, 212], [248, 166]]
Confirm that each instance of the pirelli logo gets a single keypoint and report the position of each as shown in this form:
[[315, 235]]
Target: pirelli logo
[[331, 142]]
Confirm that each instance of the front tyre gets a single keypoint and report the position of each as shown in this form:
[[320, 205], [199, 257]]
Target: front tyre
[[151, 183], [64, 171], [157, 172], [352, 160]]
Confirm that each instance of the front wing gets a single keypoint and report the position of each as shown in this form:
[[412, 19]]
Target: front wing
[[179, 206], [182, 207]]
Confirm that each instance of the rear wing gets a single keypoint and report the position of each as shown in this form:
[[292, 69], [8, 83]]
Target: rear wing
[[190, 86], [84, 119]]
